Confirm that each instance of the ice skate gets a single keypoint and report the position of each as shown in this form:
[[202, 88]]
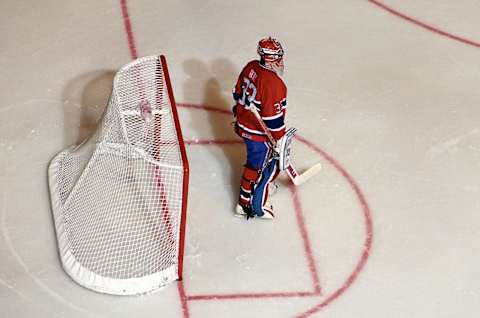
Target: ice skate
[[240, 211], [268, 212]]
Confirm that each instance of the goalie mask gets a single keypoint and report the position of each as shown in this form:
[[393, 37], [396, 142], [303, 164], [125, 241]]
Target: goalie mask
[[271, 54]]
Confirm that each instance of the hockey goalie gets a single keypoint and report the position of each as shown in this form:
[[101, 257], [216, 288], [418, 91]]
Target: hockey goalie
[[260, 86], [260, 97]]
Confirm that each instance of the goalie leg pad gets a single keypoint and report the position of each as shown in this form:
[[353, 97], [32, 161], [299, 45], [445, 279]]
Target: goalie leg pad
[[249, 178], [260, 192], [261, 168], [257, 156], [258, 153]]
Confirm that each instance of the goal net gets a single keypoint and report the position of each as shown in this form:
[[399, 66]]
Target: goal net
[[119, 199]]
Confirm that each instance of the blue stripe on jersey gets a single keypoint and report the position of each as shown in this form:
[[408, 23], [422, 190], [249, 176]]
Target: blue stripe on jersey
[[275, 123]]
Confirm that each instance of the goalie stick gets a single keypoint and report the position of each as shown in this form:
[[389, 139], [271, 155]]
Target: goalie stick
[[296, 178]]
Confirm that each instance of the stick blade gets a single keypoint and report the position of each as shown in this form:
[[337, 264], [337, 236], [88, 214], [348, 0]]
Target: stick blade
[[305, 176]]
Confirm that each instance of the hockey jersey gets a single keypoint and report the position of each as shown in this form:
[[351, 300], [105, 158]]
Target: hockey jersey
[[262, 88]]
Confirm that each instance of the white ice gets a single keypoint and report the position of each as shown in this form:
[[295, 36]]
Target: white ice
[[394, 106]]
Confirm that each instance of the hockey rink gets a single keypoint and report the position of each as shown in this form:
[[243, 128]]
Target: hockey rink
[[385, 94]]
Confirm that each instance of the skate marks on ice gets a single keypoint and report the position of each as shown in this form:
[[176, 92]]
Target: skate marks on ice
[[450, 144], [38, 282]]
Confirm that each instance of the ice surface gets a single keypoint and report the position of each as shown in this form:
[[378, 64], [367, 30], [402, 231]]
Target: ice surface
[[389, 108]]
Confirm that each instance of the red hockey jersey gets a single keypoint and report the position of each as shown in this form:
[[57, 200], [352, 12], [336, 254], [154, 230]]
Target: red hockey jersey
[[262, 88]]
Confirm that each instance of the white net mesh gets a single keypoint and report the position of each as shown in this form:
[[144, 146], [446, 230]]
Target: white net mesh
[[118, 198]]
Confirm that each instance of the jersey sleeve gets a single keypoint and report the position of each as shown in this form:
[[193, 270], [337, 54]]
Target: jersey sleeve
[[237, 90], [273, 109]]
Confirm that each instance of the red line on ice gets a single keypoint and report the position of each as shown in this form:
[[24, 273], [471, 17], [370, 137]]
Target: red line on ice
[[213, 142], [183, 299], [424, 25], [128, 29], [252, 295], [305, 238], [368, 225], [206, 107]]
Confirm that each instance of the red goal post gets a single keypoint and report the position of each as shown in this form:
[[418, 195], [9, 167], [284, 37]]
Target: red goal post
[[186, 168]]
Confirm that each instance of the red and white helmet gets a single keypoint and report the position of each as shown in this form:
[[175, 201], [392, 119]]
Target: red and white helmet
[[271, 52], [270, 49]]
